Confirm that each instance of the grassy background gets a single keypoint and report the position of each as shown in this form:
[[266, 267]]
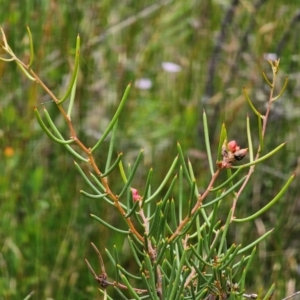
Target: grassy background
[[45, 228]]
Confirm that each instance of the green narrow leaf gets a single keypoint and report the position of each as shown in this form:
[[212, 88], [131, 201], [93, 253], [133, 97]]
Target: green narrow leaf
[[267, 80], [249, 140], [222, 139], [231, 258], [161, 251], [250, 103], [48, 132], [229, 180], [111, 147], [228, 253], [190, 223], [270, 292], [193, 186], [174, 222], [86, 179], [201, 259], [163, 281], [176, 284], [170, 189], [68, 147], [134, 251], [148, 287], [110, 257], [261, 158], [116, 259], [114, 119], [150, 273], [129, 196], [147, 187], [213, 221], [179, 291], [269, 205], [99, 184], [29, 296], [225, 193], [249, 263], [282, 90], [72, 151], [30, 47], [113, 166], [257, 241], [25, 72], [104, 293], [164, 181], [74, 75], [130, 288], [180, 194], [109, 226], [205, 241], [173, 270], [72, 96], [166, 267], [185, 169], [241, 262], [101, 187], [132, 173], [207, 144], [120, 293], [203, 294], [133, 209], [260, 136], [99, 196], [155, 223], [191, 199], [199, 237], [161, 227], [239, 267], [7, 59], [122, 172], [224, 230]]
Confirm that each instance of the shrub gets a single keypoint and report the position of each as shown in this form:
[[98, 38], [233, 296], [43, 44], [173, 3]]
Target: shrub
[[178, 243]]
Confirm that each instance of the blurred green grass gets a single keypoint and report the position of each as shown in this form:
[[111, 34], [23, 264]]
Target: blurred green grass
[[45, 228]]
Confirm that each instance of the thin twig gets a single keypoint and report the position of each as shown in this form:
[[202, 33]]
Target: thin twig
[[196, 207], [73, 135], [274, 66], [291, 296]]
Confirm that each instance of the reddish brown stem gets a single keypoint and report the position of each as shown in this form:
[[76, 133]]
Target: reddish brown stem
[[88, 152], [264, 127], [196, 207]]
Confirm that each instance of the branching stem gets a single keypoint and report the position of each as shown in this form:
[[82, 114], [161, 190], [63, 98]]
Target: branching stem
[[28, 70], [274, 66], [196, 207]]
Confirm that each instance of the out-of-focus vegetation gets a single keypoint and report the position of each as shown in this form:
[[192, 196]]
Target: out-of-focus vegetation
[[45, 228]]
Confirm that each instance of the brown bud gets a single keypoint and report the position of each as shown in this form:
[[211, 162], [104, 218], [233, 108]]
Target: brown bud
[[240, 154]]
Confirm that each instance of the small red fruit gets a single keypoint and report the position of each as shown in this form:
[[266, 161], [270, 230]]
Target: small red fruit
[[135, 195], [232, 146]]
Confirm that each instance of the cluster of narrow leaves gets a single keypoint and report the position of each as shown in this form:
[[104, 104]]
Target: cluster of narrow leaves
[[176, 238]]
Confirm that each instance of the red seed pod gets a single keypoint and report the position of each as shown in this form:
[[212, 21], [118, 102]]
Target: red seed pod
[[232, 146]]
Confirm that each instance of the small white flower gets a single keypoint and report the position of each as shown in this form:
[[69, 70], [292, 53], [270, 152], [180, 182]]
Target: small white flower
[[171, 67], [270, 56], [143, 83]]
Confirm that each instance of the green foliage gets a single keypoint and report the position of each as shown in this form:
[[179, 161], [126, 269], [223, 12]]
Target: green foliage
[[122, 43], [180, 247]]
